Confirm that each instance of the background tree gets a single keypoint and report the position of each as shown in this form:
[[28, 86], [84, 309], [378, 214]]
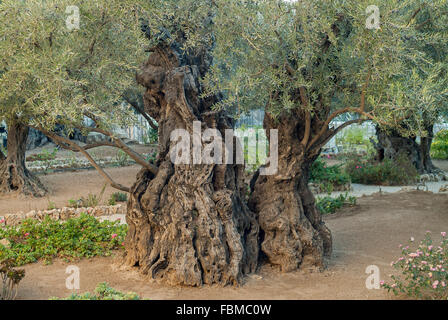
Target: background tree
[[424, 86], [189, 224], [308, 62], [52, 73]]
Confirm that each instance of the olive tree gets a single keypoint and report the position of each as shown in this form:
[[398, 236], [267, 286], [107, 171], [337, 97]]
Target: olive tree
[[189, 224], [424, 87], [63, 61], [308, 63]]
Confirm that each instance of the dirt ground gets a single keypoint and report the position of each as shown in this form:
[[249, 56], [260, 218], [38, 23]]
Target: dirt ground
[[368, 234], [65, 186], [365, 235]]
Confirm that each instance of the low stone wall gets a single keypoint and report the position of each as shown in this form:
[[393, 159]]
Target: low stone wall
[[61, 214], [61, 164]]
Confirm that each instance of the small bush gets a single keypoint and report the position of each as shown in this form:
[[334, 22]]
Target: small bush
[[152, 157], [51, 205], [152, 136], [328, 176], [75, 238], [117, 197], [102, 292], [122, 158], [329, 205], [92, 200], [439, 148], [10, 279], [73, 203], [386, 173], [424, 273]]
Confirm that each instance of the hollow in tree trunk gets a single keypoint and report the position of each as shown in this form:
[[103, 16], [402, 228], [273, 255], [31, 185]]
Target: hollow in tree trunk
[[391, 145], [292, 232], [188, 224], [14, 176]]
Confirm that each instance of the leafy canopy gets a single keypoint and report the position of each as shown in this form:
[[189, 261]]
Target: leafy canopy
[[50, 74], [267, 50]]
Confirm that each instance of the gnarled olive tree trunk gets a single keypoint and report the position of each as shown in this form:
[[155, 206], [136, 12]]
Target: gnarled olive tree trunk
[[14, 176], [391, 145], [188, 224], [292, 232]]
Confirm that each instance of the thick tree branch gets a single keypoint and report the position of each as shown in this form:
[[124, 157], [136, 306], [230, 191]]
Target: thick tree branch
[[138, 107], [334, 132], [120, 144], [360, 111], [64, 142], [306, 135]]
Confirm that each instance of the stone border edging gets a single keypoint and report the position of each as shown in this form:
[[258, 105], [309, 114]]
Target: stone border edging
[[65, 213]]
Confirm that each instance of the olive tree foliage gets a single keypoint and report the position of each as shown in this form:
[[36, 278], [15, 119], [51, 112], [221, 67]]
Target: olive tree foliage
[[425, 84], [271, 51], [52, 72], [422, 86], [64, 60]]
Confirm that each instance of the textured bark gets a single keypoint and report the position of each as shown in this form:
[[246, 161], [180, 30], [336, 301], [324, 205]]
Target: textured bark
[[292, 232], [14, 176], [188, 224], [391, 144]]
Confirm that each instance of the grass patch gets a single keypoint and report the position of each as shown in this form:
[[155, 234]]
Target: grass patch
[[329, 205], [328, 177], [117, 197]]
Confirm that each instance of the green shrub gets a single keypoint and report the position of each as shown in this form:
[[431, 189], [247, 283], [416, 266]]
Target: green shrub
[[117, 197], [152, 136], [92, 199], [424, 273], [329, 205], [75, 238], [386, 173], [328, 176], [102, 292], [122, 158], [151, 158], [439, 147], [51, 205], [73, 203]]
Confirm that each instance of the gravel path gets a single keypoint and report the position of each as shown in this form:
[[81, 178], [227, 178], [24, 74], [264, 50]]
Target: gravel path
[[359, 190]]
